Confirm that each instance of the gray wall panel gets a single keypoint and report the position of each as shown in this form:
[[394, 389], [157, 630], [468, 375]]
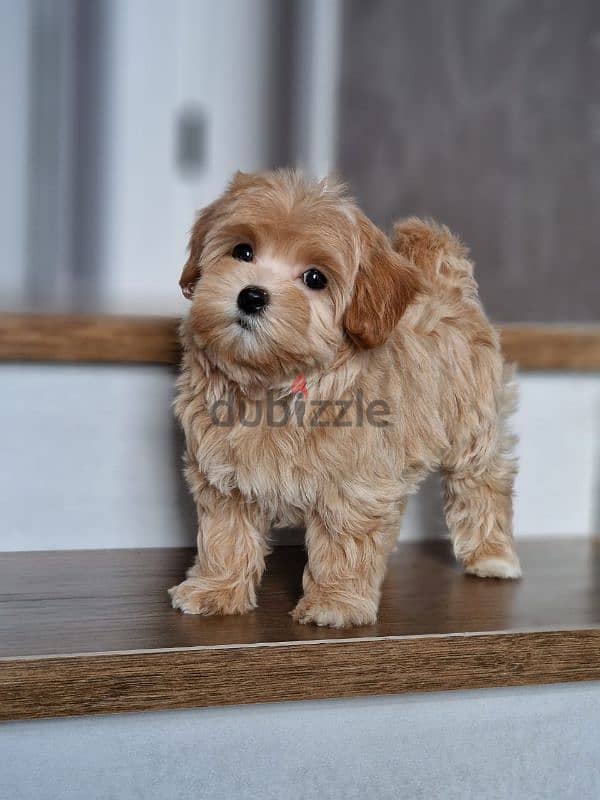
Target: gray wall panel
[[486, 115]]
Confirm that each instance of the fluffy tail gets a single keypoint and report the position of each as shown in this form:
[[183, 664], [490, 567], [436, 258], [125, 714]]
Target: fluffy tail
[[434, 249]]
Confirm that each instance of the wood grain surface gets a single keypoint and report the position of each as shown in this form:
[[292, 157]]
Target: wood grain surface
[[553, 347], [93, 632], [153, 340], [88, 338]]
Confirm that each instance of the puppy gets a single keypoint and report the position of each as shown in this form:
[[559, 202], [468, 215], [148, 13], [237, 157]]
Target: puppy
[[301, 304]]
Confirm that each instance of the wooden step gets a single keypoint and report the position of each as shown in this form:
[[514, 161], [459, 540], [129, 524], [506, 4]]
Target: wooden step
[[153, 340], [93, 632]]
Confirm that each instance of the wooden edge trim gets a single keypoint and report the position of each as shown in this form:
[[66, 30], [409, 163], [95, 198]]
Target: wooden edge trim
[[88, 338], [153, 340], [171, 679], [552, 347]]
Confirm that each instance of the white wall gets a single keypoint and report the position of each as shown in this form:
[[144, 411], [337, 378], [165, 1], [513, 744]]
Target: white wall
[[558, 423], [216, 59], [90, 459], [155, 60], [315, 112]]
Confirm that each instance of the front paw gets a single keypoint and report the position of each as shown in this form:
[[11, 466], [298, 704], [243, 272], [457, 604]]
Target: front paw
[[207, 597], [495, 567], [321, 610]]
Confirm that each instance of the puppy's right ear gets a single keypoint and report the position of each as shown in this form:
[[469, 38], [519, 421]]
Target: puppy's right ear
[[191, 271]]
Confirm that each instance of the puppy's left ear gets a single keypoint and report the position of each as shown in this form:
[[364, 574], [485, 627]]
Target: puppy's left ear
[[385, 284], [192, 269]]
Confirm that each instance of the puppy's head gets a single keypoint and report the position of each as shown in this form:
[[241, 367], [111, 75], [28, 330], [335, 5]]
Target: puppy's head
[[283, 272]]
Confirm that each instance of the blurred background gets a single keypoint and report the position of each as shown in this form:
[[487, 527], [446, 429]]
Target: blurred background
[[122, 117]]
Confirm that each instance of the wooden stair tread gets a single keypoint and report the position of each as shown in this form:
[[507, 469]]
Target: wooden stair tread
[[93, 631], [98, 338]]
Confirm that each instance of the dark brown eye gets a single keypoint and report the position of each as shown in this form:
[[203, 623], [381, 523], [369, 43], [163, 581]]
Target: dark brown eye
[[243, 252], [314, 279]]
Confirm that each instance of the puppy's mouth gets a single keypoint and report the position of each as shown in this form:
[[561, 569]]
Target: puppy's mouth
[[262, 349], [244, 323]]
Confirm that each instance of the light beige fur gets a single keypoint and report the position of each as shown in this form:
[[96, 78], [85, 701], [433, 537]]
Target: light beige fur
[[400, 322]]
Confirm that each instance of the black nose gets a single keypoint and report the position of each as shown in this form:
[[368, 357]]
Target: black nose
[[252, 299]]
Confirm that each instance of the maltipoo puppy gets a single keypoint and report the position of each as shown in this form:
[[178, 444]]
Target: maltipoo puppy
[[326, 371]]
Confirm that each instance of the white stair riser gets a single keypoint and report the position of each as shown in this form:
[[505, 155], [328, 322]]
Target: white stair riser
[[91, 459]]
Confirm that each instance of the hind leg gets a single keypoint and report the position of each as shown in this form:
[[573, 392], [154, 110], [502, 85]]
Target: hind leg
[[478, 492]]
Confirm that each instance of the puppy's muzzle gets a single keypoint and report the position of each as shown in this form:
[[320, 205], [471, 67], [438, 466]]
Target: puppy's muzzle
[[252, 299]]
